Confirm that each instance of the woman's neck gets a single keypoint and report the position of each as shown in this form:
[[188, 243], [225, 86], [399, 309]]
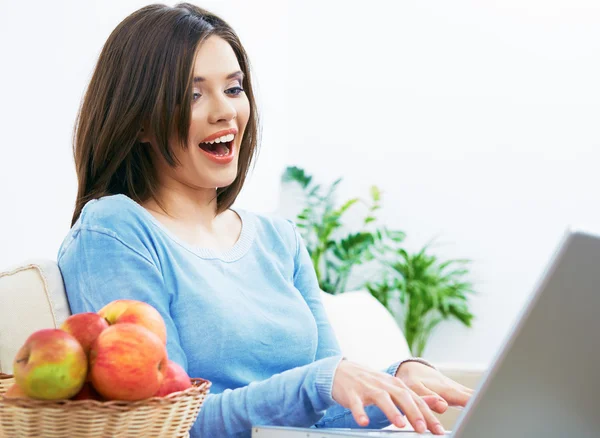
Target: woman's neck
[[191, 216], [191, 207]]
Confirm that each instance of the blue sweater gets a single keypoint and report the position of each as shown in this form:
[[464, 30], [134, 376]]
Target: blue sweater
[[249, 319]]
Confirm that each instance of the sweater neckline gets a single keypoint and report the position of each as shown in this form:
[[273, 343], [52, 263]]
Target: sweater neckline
[[236, 252]]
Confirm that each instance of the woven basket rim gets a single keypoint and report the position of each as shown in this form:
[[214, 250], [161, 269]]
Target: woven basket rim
[[199, 386]]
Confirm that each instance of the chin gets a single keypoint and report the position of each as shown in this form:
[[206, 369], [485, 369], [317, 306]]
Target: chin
[[225, 179]]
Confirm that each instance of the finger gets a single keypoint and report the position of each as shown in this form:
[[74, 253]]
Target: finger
[[455, 396], [358, 410], [406, 402], [467, 390], [433, 424], [435, 403], [433, 400], [384, 401]]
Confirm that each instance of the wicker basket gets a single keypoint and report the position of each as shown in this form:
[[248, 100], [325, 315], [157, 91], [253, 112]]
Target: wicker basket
[[170, 416]]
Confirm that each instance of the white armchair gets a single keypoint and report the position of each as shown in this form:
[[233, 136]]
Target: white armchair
[[366, 331], [32, 297]]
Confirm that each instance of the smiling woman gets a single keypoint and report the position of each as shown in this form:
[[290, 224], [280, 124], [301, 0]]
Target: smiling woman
[[212, 153], [188, 80], [164, 139]]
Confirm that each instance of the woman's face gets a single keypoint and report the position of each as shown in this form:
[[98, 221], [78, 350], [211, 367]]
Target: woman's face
[[219, 114]]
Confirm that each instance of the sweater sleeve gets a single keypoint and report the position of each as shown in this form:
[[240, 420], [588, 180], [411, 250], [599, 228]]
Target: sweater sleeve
[[305, 280], [99, 267]]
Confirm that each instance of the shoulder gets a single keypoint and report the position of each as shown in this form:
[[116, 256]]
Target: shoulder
[[112, 213], [273, 230], [117, 217]]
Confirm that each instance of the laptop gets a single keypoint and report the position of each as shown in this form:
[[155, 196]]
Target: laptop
[[545, 380]]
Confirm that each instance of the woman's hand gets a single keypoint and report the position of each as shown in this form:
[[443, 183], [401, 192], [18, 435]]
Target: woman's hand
[[426, 381], [356, 386]]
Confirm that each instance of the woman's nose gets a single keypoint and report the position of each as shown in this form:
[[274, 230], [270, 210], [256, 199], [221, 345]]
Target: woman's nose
[[221, 110]]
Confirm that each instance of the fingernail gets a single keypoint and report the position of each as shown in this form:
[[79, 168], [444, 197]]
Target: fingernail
[[439, 429], [399, 421], [364, 420], [420, 426]]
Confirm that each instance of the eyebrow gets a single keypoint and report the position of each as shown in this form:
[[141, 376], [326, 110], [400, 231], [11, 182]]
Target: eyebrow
[[235, 75]]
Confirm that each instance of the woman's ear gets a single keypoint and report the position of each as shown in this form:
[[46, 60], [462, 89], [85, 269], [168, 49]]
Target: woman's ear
[[143, 135]]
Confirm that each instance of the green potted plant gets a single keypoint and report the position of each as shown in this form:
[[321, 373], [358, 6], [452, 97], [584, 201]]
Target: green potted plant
[[429, 291], [418, 289]]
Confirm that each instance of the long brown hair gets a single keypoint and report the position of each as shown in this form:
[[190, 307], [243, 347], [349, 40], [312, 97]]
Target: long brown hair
[[144, 77]]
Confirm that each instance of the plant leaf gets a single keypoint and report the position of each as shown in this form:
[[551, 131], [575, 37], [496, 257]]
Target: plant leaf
[[296, 174], [375, 193]]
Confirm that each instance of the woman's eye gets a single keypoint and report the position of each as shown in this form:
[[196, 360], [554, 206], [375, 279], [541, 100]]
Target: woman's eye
[[234, 91]]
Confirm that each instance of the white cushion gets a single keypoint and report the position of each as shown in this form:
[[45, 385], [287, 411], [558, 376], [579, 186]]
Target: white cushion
[[32, 297], [366, 331]]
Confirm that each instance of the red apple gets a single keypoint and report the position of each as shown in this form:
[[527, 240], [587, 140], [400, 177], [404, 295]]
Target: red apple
[[135, 312], [87, 392], [15, 391], [85, 327], [51, 365], [176, 379], [127, 362]]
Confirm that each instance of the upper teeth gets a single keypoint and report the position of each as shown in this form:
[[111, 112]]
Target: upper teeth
[[224, 139]]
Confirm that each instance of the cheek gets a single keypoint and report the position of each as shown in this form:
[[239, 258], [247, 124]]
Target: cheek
[[243, 110], [197, 125]]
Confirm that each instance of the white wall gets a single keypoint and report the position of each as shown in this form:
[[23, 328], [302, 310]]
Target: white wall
[[48, 55], [478, 119]]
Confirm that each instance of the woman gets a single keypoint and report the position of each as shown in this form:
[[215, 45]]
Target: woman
[[165, 136]]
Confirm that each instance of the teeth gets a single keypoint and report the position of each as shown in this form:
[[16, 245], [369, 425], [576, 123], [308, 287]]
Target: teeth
[[224, 139]]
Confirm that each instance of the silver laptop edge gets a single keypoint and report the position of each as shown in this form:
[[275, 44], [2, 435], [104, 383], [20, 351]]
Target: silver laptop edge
[[509, 339], [544, 380]]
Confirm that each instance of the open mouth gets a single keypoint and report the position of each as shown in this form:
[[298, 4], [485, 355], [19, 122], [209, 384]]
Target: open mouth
[[217, 149]]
